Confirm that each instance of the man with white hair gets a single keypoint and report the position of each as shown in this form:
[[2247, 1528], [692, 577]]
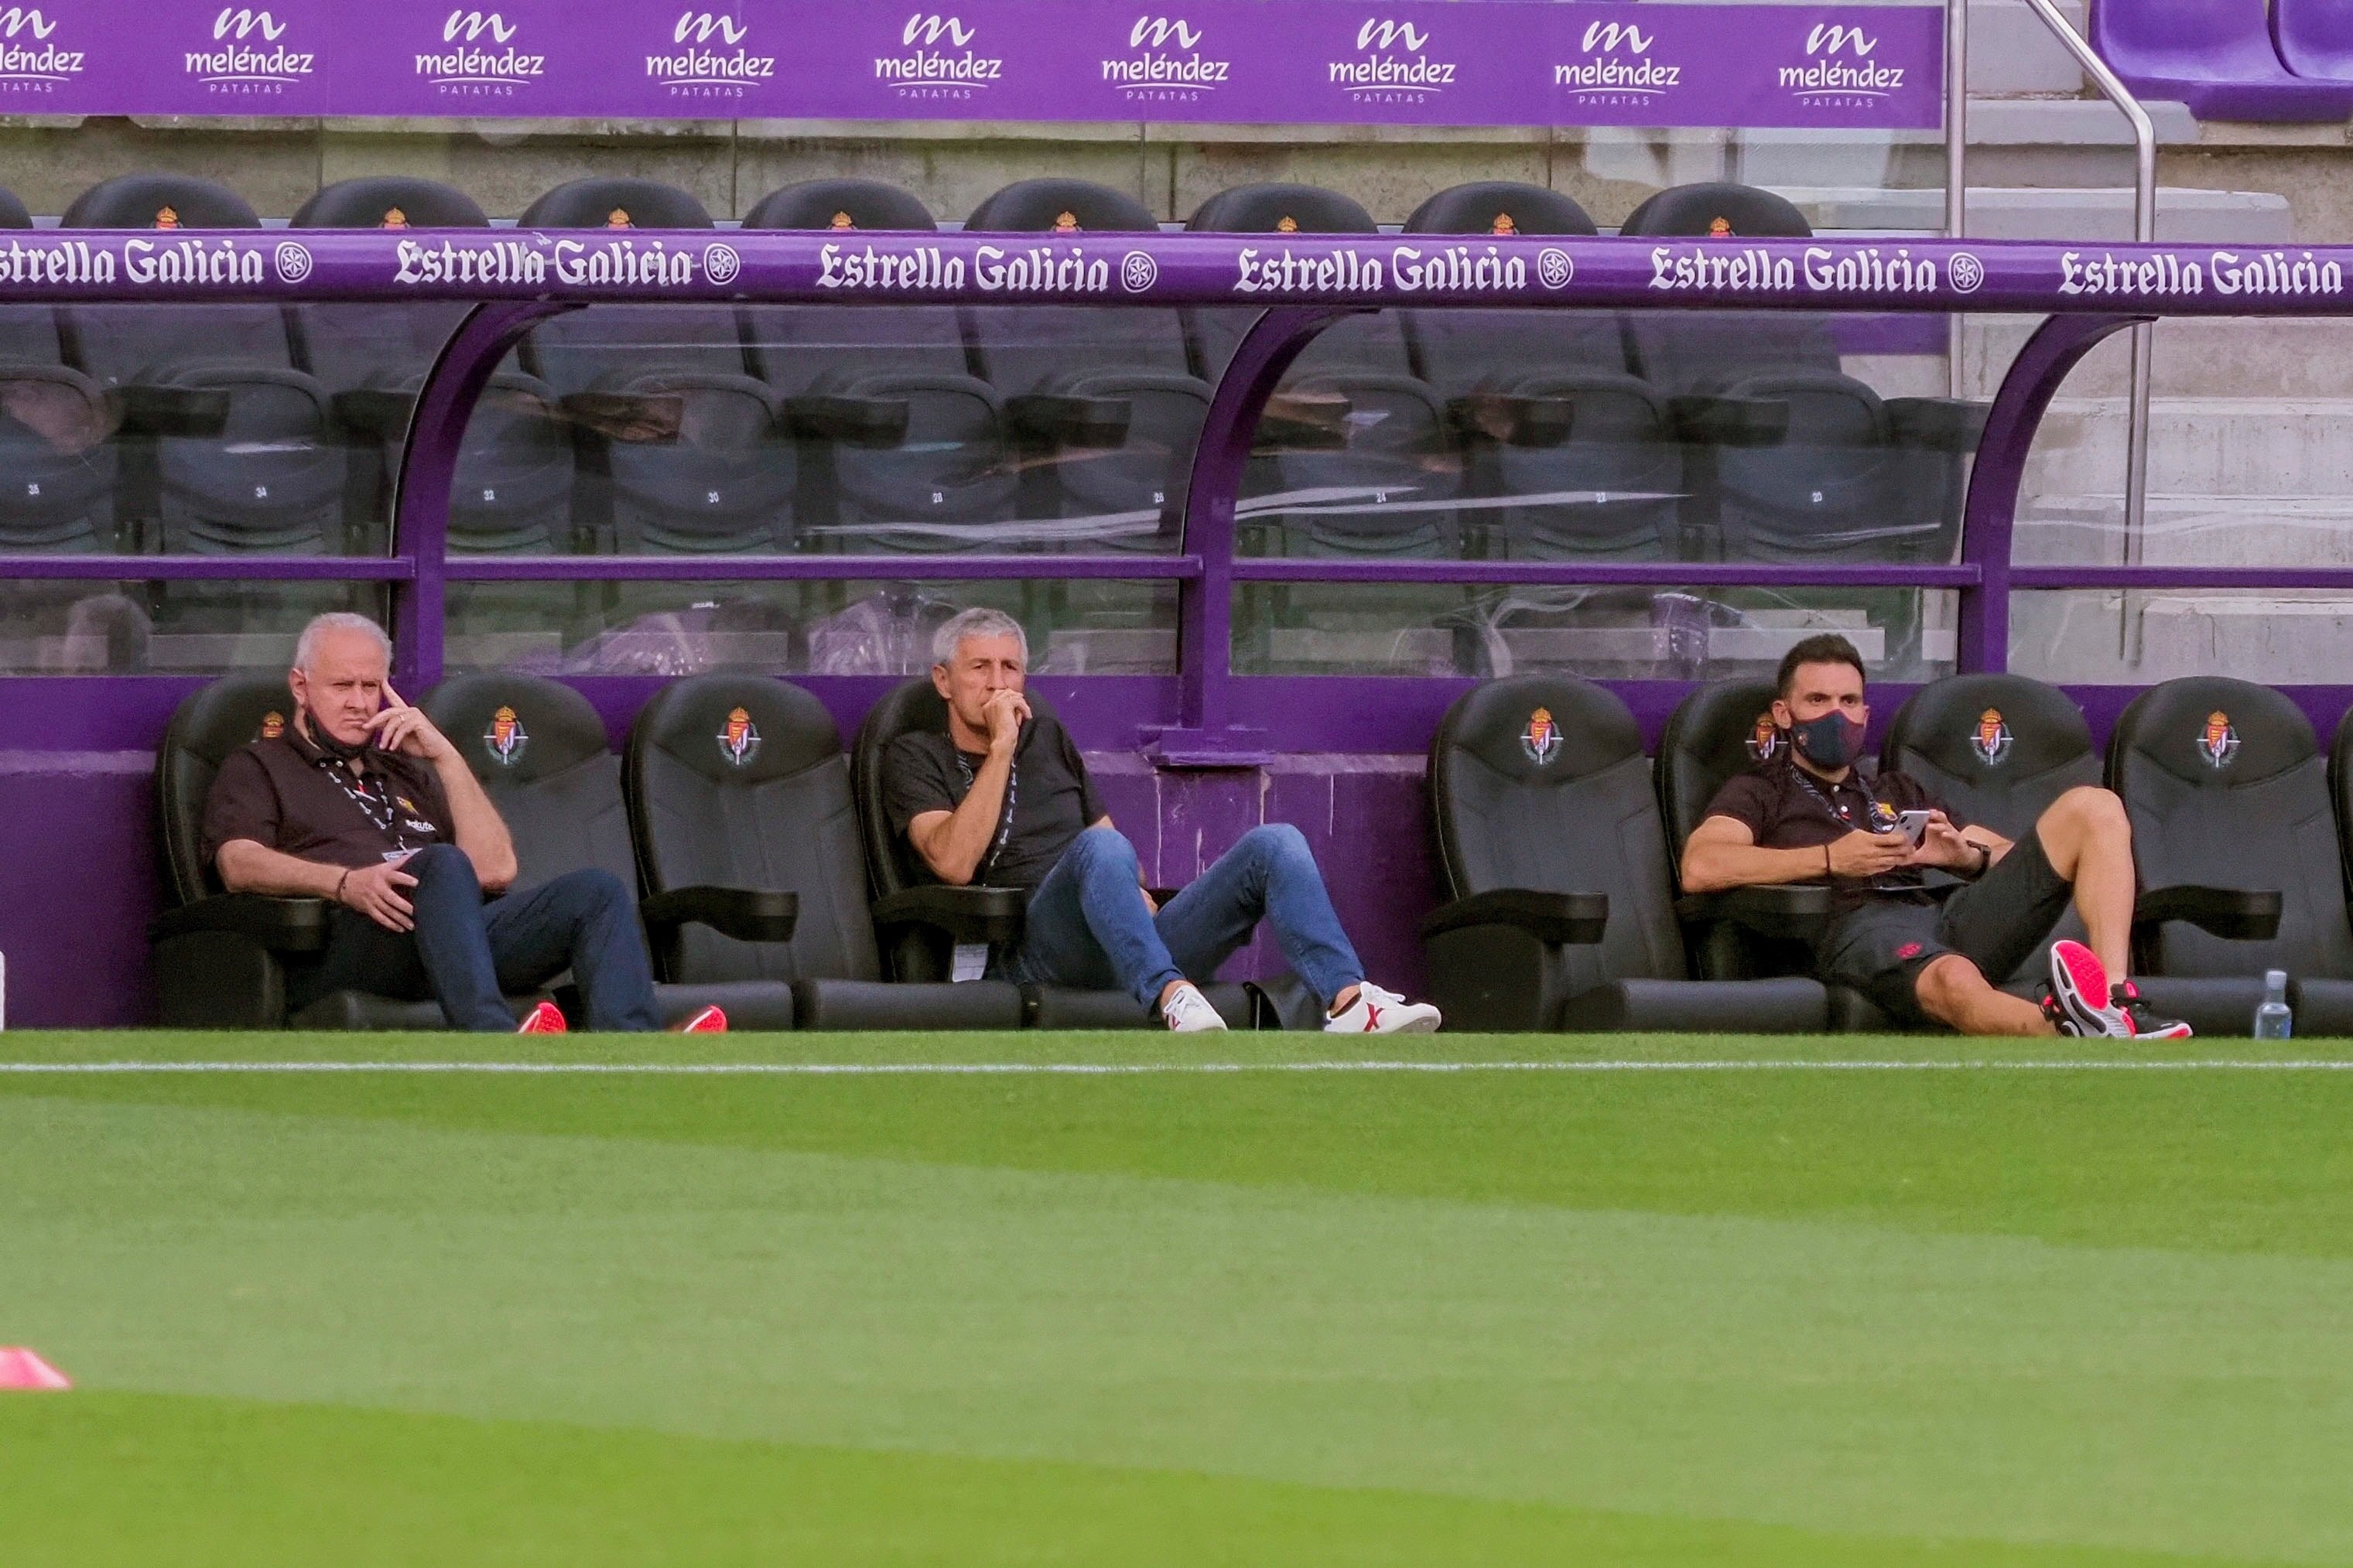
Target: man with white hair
[[363, 802], [1002, 799]]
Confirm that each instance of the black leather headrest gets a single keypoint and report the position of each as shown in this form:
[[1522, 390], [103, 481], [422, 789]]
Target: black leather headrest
[[205, 728], [1043, 206], [1989, 728], [1281, 209], [2212, 732], [516, 729], [13, 213], [1539, 729], [839, 203], [1499, 206], [735, 729], [615, 204], [390, 201], [160, 201], [1717, 731], [1743, 212]]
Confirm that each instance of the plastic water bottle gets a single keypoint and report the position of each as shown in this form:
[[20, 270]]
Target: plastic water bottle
[[2273, 1020]]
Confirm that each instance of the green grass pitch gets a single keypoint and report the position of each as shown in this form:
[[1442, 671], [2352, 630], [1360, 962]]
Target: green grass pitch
[[1648, 1300]]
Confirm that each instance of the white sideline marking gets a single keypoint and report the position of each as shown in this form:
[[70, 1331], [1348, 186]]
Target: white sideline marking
[[1121, 1069]]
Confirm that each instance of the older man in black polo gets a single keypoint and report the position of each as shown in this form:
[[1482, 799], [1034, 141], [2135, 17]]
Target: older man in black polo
[[362, 801]]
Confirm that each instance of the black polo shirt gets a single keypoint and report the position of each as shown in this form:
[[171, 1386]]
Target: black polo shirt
[[1053, 799], [284, 794], [1787, 808]]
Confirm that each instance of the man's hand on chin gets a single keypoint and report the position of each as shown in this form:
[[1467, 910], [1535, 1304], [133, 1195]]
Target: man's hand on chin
[[403, 729]]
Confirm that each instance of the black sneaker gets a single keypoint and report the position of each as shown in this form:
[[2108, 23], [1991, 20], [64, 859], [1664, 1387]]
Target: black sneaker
[[2079, 986], [2124, 1000]]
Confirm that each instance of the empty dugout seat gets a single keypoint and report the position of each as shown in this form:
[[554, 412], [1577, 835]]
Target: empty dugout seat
[[222, 959], [1555, 862], [921, 920], [2219, 57], [541, 753], [1355, 458], [2226, 789], [56, 460], [1997, 749], [737, 780], [1719, 731], [1788, 458], [512, 489], [1555, 422], [1105, 398], [682, 449], [243, 451], [904, 447]]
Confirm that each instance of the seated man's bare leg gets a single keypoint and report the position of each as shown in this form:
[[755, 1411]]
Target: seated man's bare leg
[[1953, 991], [2087, 839]]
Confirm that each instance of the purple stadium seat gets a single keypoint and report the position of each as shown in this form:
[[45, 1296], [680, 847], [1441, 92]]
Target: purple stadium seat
[[2216, 56], [2315, 39]]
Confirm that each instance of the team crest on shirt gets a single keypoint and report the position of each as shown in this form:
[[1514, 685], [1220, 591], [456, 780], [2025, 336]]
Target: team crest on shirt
[[505, 739], [1764, 739], [739, 738], [1883, 817], [1991, 741], [2219, 742], [1541, 739], [273, 724]]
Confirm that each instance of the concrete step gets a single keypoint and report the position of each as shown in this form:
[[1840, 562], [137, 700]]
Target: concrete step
[[2184, 216], [2218, 357], [2108, 637], [2059, 142], [2186, 530], [2220, 446], [2014, 55]]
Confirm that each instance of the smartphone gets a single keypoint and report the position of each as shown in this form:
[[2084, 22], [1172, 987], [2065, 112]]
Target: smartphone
[[1914, 825]]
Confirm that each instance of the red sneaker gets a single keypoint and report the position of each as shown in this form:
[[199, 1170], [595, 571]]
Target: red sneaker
[[547, 1018], [709, 1021]]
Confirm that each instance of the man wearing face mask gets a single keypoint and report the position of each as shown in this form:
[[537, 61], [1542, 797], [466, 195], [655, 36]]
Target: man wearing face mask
[[1807, 813]]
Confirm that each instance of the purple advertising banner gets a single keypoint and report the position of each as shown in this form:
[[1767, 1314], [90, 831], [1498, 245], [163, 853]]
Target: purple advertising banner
[[1412, 62]]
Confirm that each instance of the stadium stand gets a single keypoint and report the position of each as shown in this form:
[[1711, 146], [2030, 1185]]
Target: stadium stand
[[2219, 56], [1557, 863], [540, 751], [738, 781], [56, 464]]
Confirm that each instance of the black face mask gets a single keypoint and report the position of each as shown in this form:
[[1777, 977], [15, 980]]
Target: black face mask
[[341, 751], [1831, 742]]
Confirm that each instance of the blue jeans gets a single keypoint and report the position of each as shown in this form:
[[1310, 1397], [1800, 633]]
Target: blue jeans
[[466, 953], [1087, 926]]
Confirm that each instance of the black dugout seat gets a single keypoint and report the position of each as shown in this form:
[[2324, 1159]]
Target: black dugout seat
[[1555, 862], [1554, 424], [541, 753], [1356, 445], [1104, 403], [1997, 749], [512, 489], [922, 921], [222, 959], [240, 450], [738, 779], [682, 449], [56, 461], [904, 447], [1790, 458], [2226, 789]]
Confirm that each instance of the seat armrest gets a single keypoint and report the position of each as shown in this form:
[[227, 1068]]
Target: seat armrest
[[871, 421], [966, 914], [1514, 419], [1708, 420], [2231, 913], [279, 925], [374, 411], [186, 412], [1060, 421], [1788, 910], [640, 418], [1561, 919], [1937, 424], [1313, 421], [748, 914]]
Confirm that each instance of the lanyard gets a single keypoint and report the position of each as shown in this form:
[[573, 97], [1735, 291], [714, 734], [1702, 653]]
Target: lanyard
[[382, 822], [1829, 804], [1012, 793]]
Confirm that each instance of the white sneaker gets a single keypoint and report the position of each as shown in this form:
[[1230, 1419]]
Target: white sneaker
[[1187, 1012], [1378, 1011]]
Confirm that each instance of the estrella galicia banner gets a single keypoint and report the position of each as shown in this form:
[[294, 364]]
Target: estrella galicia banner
[[1416, 62]]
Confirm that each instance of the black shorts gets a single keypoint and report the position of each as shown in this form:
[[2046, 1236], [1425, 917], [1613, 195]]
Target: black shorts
[[1996, 923]]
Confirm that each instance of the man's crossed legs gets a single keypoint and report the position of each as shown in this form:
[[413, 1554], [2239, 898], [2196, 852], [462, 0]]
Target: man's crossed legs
[[1087, 926], [1921, 961]]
